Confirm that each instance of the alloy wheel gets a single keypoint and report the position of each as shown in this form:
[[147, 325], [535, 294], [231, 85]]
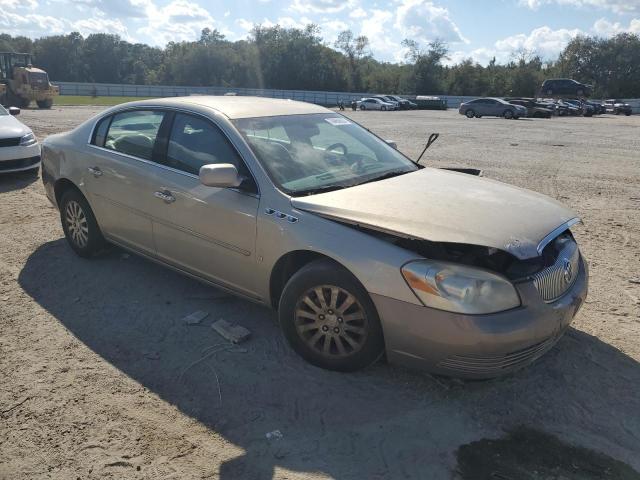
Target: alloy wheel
[[77, 225], [331, 321]]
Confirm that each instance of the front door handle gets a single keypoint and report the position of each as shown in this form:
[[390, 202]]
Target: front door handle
[[165, 195], [95, 171]]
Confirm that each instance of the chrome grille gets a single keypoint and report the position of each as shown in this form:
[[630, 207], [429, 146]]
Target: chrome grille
[[554, 281]]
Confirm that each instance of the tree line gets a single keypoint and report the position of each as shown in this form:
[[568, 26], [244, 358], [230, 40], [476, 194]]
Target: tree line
[[294, 58]]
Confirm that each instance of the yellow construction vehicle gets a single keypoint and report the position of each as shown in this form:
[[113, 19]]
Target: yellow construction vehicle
[[21, 83]]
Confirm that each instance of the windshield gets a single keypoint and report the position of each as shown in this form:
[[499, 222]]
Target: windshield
[[304, 154]]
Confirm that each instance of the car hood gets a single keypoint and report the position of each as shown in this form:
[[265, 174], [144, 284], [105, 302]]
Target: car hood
[[444, 206], [10, 127]]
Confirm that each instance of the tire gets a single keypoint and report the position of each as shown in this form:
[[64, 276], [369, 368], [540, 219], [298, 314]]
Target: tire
[[328, 340], [23, 102], [45, 103], [627, 113], [383, 108], [549, 92], [80, 226], [362, 107], [469, 113], [580, 92], [478, 116], [508, 114]]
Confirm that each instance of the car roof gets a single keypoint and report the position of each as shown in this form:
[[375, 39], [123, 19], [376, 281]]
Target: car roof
[[234, 107]]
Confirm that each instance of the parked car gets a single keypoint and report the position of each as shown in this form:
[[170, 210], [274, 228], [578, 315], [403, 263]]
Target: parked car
[[598, 107], [428, 102], [374, 104], [534, 109], [359, 249], [585, 108], [403, 102], [491, 107], [617, 107], [569, 108], [19, 148], [565, 86], [383, 98]]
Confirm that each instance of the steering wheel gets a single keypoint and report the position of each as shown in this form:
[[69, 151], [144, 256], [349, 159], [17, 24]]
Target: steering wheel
[[332, 147]]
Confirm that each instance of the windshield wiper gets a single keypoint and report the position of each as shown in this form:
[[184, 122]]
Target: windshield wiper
[[323, 189], [390, 174]]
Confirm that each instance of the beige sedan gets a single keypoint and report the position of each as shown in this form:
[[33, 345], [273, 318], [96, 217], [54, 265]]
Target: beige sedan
[[360, 250]]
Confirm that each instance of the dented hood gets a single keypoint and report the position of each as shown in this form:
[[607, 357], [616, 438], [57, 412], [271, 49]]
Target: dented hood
[[444, 206]]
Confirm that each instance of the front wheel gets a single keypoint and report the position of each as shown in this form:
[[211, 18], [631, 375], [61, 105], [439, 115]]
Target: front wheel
[[383, 108], [329, 319], [79, 225], [362, 107], [508, 114], [47, 103], [470, 113]]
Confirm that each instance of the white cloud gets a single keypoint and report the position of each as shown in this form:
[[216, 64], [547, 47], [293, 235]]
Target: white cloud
[[376, 30], [15, 4], [423, 21], [101, 25], [542, 41], [358, 13], [180, 20], [616, 6], [321, 6], [30, 25], [605, 28]]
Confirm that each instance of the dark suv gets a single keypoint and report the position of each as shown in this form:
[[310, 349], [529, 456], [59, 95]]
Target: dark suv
[[565, 86]]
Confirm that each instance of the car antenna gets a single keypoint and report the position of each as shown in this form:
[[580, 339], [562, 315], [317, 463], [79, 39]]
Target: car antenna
[[432, 138]]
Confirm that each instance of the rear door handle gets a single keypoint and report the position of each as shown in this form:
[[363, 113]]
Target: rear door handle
[[95, 171], [165, 195]]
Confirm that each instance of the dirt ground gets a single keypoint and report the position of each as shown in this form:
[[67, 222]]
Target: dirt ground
[[100, 378]]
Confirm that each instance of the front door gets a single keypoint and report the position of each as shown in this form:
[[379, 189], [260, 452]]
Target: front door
[[117, 176], [208, 231]]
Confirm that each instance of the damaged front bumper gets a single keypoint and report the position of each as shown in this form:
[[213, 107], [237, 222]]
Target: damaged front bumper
[[478, 346]]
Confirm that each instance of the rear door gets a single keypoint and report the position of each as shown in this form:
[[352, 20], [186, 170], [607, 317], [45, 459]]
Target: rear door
[[117, 176], [208, 231]]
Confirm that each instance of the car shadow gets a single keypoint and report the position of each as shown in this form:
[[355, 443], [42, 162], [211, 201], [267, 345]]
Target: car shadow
[[384, 422], [17, 180]]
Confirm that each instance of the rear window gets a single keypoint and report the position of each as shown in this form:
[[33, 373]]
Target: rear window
[[134, 133]]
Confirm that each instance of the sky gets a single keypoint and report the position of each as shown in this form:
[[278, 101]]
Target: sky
[[480, 29]]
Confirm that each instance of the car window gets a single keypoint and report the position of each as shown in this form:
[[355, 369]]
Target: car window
[[195, 142], [134, 132], [100, 131]]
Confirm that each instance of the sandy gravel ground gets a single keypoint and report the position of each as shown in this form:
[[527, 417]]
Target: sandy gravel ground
[[100, 378]]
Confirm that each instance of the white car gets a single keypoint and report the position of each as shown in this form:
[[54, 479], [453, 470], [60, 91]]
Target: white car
[[374, 104], [19, 149]]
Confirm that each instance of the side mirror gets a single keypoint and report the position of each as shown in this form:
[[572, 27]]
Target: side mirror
[[221, 175], [14, 111], [392, 144]]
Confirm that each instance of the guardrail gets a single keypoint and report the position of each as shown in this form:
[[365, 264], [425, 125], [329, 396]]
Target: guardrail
[[319, 97]]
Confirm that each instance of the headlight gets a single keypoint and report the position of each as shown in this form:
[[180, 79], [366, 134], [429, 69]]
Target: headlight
[[28, 139], [457, 288]]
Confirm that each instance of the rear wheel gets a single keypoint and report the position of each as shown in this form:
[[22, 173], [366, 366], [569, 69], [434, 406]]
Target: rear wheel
[[470, 113], [47, 103], [79, 224], [508, 114], [329, 319]]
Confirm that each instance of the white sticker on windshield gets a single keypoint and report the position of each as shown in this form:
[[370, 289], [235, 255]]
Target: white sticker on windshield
[[338, 121]]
